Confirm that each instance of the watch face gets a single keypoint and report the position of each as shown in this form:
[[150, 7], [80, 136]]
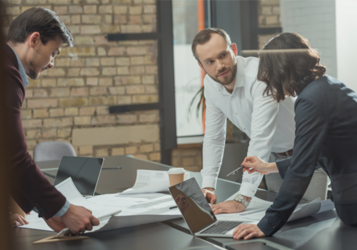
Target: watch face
[[239, 198]]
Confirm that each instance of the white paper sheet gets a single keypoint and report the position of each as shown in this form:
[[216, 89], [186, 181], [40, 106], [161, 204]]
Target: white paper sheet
[[326, 205], [254, 212], [254, 205], [305, 210], [36, 223], [69, 190], [257, 212], [150, 181], [137, 209]]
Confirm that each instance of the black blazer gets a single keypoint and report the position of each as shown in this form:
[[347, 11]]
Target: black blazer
[[325, 136]]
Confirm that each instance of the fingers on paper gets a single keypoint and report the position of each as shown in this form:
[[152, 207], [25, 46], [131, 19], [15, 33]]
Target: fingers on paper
[[16, 219]]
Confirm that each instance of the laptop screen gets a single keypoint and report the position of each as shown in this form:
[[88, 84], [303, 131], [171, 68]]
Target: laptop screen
[[193, 205], [84, 171]]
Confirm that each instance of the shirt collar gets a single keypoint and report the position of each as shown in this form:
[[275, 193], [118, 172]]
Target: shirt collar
[[240, 73], [21, 69]]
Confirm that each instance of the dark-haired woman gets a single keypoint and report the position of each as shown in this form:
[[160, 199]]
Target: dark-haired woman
[[325, 136]]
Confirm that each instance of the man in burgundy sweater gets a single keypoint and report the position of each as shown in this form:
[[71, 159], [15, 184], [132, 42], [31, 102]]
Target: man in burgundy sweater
[[34, 39]]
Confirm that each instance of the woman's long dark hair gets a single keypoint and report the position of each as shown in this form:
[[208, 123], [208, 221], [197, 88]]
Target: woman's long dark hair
[[287, 64]]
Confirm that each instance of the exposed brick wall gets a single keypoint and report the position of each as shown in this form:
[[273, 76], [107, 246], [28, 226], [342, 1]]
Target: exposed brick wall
[[269, 16], [269, 13], [188, 156], [94, 74]]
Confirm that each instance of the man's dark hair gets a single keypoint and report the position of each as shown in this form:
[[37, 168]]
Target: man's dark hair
[[288, 64], [37, 19], [205, 35]]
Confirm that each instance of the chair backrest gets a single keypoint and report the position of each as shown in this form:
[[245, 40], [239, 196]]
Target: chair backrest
[[52, 151]]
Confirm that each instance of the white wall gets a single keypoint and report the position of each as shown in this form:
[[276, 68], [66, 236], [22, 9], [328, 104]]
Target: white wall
[[316, 21], [346, 33]]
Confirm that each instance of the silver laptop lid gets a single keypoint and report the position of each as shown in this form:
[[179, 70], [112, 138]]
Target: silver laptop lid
[[84, 172], [193, 205]]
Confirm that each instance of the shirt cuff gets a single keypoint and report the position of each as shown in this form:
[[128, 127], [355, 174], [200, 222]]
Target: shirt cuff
[[209, 181], [267, 227], [63, 210], [248, 189]]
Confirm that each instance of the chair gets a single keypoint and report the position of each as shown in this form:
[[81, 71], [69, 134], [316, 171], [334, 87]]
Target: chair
[[52, 151]]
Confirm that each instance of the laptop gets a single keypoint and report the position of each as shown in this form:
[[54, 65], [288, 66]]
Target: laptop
[[197, 212], [84, 171]]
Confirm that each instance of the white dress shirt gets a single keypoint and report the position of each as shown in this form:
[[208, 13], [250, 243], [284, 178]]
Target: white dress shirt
[[269, 125]]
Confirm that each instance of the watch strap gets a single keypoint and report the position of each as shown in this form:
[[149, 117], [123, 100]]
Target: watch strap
[[239, 198]]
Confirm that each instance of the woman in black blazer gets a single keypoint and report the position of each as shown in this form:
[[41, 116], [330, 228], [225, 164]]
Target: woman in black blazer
[[325, 136]]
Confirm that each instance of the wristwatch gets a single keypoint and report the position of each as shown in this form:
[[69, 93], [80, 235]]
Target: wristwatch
[[239, 198]]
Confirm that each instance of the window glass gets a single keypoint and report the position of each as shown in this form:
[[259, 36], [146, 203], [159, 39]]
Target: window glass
[[187, 21]]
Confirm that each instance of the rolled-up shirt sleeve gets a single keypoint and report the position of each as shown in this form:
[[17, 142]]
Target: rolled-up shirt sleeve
[[263, 127], [311, 129]]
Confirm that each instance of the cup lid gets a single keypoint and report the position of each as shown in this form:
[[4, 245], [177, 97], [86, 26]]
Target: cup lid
[[176, 171]]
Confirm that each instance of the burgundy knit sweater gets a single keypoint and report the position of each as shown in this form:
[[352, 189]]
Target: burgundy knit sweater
[[30, 188]]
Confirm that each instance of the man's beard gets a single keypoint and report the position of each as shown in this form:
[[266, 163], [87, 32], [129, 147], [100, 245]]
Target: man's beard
[[229, 80]]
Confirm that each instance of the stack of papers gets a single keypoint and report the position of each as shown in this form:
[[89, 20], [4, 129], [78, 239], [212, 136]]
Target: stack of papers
[[137, 209]]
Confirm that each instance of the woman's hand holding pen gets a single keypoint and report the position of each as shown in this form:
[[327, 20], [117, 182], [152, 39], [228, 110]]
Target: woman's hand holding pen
[[254, 164]]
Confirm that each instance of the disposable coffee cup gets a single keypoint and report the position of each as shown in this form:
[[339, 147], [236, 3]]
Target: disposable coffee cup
[[176, 175]]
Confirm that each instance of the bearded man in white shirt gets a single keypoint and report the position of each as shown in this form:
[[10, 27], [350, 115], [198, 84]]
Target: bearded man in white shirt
[[232, 91]]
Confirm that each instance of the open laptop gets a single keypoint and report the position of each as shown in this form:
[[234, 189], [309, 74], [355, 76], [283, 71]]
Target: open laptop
[[84, 171], [197, 212]]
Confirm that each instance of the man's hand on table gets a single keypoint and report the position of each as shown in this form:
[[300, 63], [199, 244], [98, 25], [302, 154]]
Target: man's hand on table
[[77, 219], [229, 207], [211, 197], [247, 231], [56, 224]]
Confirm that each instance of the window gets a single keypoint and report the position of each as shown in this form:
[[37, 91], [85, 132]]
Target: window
[[189, 17]]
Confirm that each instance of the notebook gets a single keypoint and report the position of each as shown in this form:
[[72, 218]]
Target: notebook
[[84, 171], [197, 212]]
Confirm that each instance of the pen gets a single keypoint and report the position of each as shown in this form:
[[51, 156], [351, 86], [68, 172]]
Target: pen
[[66, 230], [111, 168], [234, 171], [172, 207]]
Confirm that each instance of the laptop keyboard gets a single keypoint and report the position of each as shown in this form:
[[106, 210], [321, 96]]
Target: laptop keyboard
[[221, 227]]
